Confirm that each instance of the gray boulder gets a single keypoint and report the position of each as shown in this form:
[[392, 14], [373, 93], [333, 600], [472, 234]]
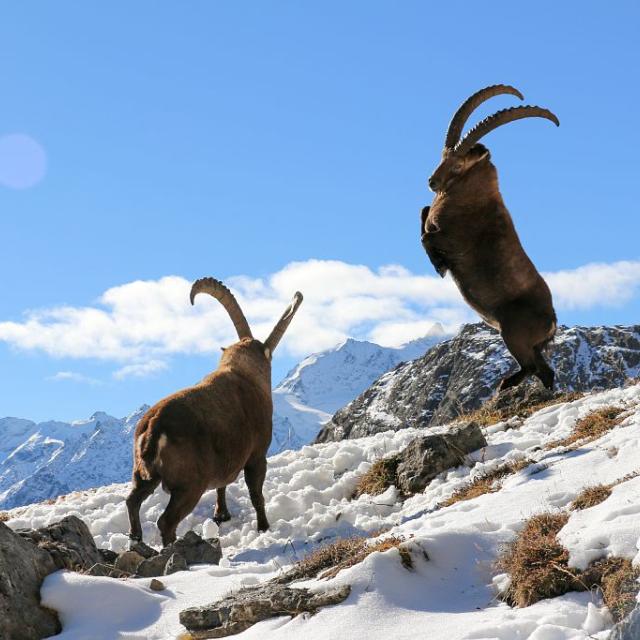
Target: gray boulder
[[68, 542], [191, 549], [241, 610], [23, 567], [175, 563], [426, 457]]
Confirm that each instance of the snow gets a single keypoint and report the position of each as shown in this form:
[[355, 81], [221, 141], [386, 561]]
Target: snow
[[452, 595]]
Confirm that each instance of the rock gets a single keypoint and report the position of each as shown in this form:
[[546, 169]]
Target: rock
[[108, 556], [23, 567], [629, 628], [156, 585], [518, 398], [129, 561], [191, 548], [195, 550], [69, 543], [426, 457], [459, 375], [241, 610], [143, 549], [175, 563], [152, 567], [107, 571]]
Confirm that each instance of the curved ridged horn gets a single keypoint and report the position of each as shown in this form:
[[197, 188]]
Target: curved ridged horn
[[497, 120], [278, 331], [216, 289], [469, 106]]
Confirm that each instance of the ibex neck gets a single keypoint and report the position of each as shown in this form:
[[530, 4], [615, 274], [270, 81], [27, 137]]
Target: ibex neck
[[479, 187]]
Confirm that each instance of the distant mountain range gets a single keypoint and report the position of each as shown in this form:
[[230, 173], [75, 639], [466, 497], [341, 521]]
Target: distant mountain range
[[45, 460]]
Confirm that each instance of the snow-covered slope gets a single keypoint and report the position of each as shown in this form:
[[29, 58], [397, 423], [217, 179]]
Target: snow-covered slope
[[40, 461], [451, 592], [322, 383]]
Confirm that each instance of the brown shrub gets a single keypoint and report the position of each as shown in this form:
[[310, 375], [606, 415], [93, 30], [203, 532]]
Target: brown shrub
[[488, 415], [379, 478], [591, 496], [346, 552], [487, 483], [591, 427], [4, 516], [619, 585], [537, 562], [538, 566]]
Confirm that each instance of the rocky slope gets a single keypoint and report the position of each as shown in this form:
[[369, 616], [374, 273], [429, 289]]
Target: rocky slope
[[459, 374]]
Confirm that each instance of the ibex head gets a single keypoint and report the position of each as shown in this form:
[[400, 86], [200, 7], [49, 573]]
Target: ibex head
[[460, 155], [247, 343]]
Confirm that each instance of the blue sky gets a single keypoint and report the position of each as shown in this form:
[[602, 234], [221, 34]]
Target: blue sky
[[282, 145]]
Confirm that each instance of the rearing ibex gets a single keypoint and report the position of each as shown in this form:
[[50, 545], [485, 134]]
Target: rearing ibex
[[469, 232], [202, 437]]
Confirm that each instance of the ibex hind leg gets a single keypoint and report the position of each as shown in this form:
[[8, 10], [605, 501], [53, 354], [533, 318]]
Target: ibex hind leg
[[221, 514], [543, 372], [254, 474], [518, 347], [140, 491], [181, 504]]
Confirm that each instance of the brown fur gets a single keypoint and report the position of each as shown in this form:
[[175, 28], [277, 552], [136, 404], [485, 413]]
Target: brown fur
[[469, 232], [202, 437]]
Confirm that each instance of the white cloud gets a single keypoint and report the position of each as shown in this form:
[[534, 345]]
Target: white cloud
[[595, 285], [141, 323], [140, 370], [73, 376]]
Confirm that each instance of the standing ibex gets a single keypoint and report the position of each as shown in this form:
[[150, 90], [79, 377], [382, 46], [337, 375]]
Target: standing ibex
[[202, 437], [469, 232]]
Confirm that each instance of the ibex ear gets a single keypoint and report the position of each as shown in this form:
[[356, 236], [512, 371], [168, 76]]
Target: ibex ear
[[267, 353]]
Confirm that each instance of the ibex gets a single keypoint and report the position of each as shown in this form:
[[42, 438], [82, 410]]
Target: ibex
[[469, 232], [202, 437]]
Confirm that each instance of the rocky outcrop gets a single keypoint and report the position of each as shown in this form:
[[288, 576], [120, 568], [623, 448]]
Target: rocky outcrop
[[460, 374], [68, 542], [23, 567], [426, 457], [241, 610], [143, 561]]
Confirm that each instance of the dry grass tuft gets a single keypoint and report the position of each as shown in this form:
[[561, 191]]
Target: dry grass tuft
[[379, 478], [4, 516], [538, 566], [487, 483], [344, 553], [591, 496], [537, 562], [591, 427], [488, 415], [619, 585]]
